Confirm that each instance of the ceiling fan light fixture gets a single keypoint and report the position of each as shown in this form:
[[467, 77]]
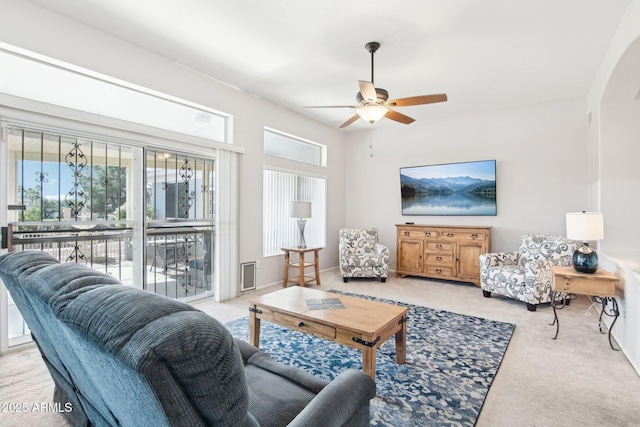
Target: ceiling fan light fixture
[[372, 113]]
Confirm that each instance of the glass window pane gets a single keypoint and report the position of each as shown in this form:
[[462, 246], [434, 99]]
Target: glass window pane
[[79, 90], [279, 228], [289, 147]]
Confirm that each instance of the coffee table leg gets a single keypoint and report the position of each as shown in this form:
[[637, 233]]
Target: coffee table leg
[[369, 361], [254, 329], [401, 343]]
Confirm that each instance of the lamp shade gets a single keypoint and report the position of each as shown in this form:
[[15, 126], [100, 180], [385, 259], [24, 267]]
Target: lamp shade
[[372, 113], [585, 226], [300, 210]]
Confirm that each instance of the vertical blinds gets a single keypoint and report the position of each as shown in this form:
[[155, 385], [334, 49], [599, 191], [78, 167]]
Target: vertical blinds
[[279, 229]]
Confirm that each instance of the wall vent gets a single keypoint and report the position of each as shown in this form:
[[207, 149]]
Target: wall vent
[[247, 276]]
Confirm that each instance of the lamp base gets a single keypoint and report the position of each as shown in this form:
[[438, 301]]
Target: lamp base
[[585, 259], [301, 243]]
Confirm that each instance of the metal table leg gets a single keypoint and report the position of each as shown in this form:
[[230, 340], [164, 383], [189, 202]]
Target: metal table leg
[[558, 301], [613, 312]]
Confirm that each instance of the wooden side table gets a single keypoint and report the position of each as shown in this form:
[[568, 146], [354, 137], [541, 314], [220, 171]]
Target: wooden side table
[[600, 286], [301, 279]]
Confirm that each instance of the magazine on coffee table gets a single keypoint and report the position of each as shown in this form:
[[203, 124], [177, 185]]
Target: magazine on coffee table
[[324, 303]]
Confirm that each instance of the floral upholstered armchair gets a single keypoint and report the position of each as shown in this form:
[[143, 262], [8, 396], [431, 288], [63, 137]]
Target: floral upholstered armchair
[[361, 255], [526, 275]]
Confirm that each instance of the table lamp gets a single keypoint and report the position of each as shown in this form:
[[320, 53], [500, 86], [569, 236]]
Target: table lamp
[[301, 211], [585, 226]]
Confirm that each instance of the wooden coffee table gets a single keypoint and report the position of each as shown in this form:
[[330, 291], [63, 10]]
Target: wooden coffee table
[[362, 324]]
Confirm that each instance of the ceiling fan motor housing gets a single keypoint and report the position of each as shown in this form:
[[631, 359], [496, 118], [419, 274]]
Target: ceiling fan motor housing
[[381, 94]]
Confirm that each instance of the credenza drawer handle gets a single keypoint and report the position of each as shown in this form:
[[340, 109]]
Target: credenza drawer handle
[[300, 324], [439, 246], [406, 233], [438, 258]]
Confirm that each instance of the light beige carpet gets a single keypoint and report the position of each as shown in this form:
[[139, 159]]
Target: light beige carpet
[[576, 380]]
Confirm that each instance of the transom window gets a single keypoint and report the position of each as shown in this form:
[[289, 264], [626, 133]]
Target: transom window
[[280, 144]]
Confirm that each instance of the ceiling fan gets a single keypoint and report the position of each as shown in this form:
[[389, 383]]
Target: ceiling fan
[[373, 101]]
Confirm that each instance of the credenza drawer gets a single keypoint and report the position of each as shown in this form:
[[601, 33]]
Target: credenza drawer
[[417, 233], [464, 234], [303, 325], [438, 259], [440, 246], [440, 271]]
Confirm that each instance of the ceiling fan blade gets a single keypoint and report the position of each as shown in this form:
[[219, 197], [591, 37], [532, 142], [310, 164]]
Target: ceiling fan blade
[[417, 100], [348, 122], [398, 117], [331, 106], [368, 91]]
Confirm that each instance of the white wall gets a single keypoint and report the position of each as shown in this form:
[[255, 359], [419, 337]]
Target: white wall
[[540, 159], [614, 105], [614, 177], [33, 28], [620, 176]]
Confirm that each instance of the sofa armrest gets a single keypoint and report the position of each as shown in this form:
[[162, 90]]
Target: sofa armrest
[[295, 375], [344, 250], [497, 259], [246, 350], [381, 250], [342, 398], [537, 271]]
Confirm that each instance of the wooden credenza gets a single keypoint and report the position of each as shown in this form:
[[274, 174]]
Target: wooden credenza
[[442, 252]]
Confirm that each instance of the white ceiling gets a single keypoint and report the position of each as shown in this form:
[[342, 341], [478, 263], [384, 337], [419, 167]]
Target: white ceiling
[[484, 54]]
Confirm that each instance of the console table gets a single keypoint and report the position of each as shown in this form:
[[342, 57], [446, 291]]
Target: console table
[[301, 279], [441, 251], [600, 286]]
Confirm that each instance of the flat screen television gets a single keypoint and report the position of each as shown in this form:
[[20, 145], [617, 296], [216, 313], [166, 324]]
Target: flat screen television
[[467, 188]]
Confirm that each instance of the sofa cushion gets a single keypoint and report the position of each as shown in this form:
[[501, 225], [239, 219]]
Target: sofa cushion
[[274, 400], [360, 241], [538, 247], [26, 262], [513, 274], [189, 358]]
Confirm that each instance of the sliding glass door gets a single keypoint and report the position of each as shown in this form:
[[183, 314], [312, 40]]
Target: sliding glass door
[[180, 224], [143, 215]]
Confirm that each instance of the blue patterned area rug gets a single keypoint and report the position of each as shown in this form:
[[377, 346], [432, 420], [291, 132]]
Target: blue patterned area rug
[[450, 365]]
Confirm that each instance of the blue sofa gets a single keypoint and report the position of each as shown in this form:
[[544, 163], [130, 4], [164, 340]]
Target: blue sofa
[[120, 356]]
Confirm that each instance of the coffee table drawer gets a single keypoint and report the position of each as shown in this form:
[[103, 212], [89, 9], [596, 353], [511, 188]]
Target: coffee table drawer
[[307, 326]]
